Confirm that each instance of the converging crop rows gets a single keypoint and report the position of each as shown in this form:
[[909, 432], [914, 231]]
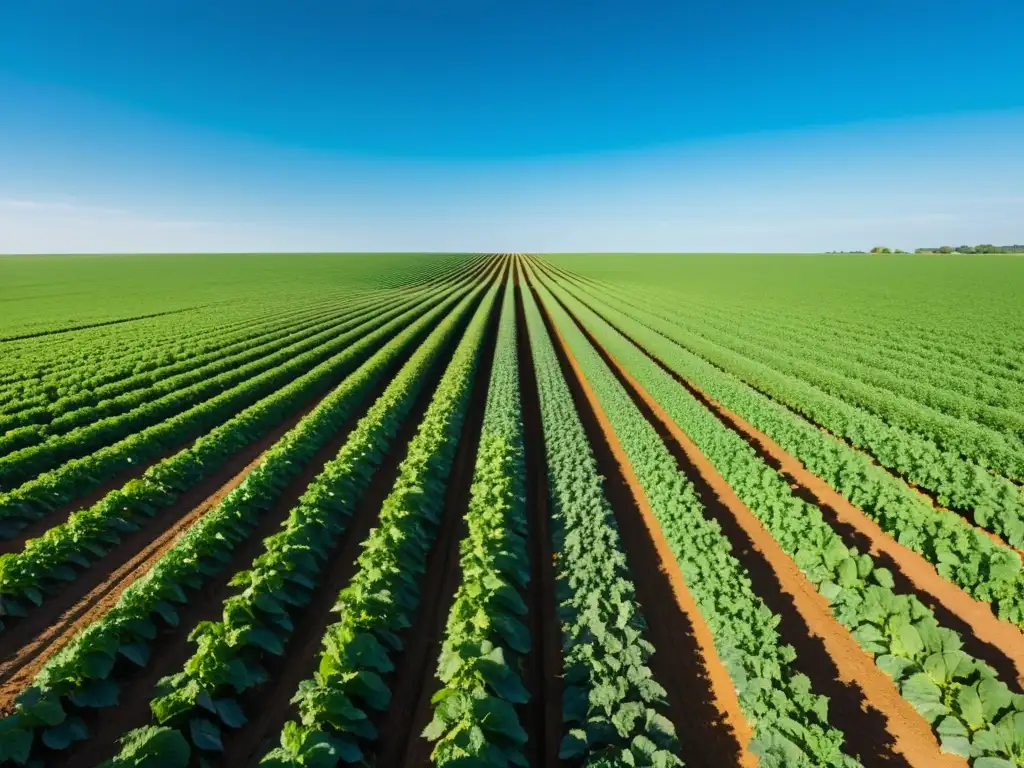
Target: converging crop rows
[[510, 510]]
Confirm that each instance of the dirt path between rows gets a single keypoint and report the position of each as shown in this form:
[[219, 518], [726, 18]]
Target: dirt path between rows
[[880, 726], [413, 681], [542, 716], [702, 701]]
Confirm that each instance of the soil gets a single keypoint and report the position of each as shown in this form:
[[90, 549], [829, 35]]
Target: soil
[[880, 726], [702, 701], [542, 716]]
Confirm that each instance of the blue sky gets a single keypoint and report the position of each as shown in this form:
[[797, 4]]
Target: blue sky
[[489, 125]]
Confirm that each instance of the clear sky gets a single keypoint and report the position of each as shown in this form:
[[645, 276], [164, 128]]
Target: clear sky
[[166, 125]]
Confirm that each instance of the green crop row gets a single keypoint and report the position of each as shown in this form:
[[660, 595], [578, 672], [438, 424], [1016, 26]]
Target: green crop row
[[790, 721], [337, 705], [1002, 451], [611, 701], [56, 448], [45, 493], [959, 552], [76, 364], [973, 713], [258, 622], [75, 370], [474, 717], [947, 382], [46, 562], [996, 504], [67, 413], [80, 674]]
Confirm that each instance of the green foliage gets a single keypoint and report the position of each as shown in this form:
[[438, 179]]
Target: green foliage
[[378, 604], [485, 642], [960, 553], [790, 722], [924, 659], [611, 702], [208, 545]]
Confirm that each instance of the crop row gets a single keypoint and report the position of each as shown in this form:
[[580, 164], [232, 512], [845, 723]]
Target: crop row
[[117, 367], [56, 487], [88, 534], [148, 407], [973, 713], [127, 392], [994, 503], [879, 356], [80, 364], [80, 675], [485, 641], [1003, 453], [959, 552], [337, 705], [790, 721], [611, 701], [88, 360], [258, 622]]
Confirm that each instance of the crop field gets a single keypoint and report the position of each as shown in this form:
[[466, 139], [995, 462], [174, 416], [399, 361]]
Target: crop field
[[512, 510]]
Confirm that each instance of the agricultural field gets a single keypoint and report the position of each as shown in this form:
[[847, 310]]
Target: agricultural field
[[512, 510]]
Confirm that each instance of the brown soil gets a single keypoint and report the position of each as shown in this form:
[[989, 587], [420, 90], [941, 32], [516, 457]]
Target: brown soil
[[985, 636], [702, 700], [543, 715], [413, 681], [880, 726], [172, 649]]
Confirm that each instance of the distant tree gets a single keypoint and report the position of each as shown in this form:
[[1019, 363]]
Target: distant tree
[[986, 248], [965, 249], [898, 250], [946, 249], [880, 249]]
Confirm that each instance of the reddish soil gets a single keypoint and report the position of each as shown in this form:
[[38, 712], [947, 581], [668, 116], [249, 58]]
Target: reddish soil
[[702, 700], [172, 649], [543, 715], [413, 682], [880, 726], [998, 642]]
